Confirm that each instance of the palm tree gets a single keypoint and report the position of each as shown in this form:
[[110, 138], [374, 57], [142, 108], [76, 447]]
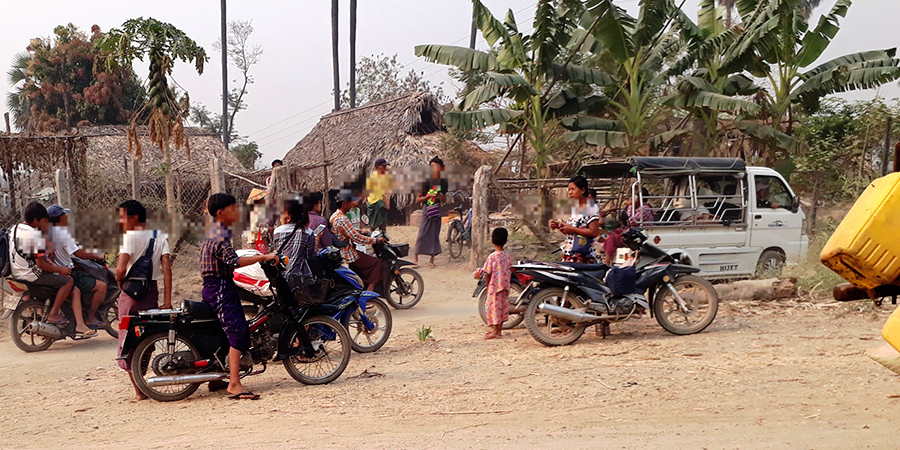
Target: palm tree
[[335, 62], [163, 44], [16, 101]]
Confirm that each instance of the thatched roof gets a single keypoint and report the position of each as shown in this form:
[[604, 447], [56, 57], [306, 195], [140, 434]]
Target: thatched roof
[[107, 152], [407, 131]]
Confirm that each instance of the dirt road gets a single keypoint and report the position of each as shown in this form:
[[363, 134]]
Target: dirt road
[[774, 375]]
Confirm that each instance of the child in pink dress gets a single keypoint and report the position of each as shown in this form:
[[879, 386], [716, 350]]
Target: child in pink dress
[[498, 269]]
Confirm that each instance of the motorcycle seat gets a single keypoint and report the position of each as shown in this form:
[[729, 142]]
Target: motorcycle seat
[[586, 267], [199, 310]]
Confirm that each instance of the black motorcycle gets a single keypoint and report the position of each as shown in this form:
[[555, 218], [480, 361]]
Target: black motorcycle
[[402, 285], [30, 330], [173, 352], [572, 297]]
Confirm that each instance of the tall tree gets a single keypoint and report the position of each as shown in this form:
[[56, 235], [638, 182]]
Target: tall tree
[[163, 44], [335, 60], [57, 84], [242, 55], [353, 53], [381, 78], [224, 50]]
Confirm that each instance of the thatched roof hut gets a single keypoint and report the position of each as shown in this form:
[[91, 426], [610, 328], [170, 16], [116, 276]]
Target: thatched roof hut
[[407, 131]]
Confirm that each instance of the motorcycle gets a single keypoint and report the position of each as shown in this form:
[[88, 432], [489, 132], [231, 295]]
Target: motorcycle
[[573, 296], [29, 329], [365, 315], [519, 293], [174, 351], [402, 286]]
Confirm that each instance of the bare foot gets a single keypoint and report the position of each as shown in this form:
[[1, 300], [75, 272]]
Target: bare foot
[[491, 335], [138, 395]]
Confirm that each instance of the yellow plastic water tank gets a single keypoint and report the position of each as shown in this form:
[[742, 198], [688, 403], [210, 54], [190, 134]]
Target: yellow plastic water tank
[[865, 247], [891, 330]]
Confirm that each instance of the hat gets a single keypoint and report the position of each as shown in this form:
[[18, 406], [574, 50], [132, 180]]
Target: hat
[[56, 211], [381, 162], [346, 195]]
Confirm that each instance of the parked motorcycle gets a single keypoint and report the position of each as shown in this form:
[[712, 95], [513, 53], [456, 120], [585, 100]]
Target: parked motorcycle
[[573, 297], [174, 351], [30, 330], [519, 293], [365, 315], [402, 286]]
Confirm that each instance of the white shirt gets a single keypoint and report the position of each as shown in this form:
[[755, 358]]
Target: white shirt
[[30, 242], [135, 243], [64, 246]]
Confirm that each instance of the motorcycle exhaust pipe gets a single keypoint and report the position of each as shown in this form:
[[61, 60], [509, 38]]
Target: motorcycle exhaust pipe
[[45, 329], [185, 379], [575, 316]]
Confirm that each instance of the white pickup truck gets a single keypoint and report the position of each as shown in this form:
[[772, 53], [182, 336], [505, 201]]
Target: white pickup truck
[[717, 214]]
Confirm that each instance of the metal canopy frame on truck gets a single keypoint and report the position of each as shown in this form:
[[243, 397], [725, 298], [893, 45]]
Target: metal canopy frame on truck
[[716, 209]]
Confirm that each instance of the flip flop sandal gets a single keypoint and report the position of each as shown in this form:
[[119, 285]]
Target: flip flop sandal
[[85, 335], [62, 321], [244, 396], [96, 325]]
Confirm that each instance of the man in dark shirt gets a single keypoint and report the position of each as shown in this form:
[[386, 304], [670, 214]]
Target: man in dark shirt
[[217, 263]]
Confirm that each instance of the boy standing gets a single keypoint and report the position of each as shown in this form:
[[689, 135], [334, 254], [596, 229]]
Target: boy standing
[[135, 242], [217, 263]]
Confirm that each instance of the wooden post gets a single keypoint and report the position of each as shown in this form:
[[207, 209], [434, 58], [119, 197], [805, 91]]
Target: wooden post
[[325, 166], [481, 236], [6, 118], [216, 177], [277, 186], [135, 179]]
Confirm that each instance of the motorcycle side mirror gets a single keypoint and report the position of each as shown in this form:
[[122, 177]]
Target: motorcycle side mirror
[[795, 204]]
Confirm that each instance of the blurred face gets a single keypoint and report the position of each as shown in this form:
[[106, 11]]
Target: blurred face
[[285, 218], [125, 221], [381, 170], [228, 215], [763, 193], [436, 169], [63, 220], [43, 224], [575, 192], [276, 165]]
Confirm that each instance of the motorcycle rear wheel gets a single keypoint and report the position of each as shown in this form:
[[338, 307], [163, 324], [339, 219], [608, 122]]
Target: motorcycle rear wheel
[[368, 341], [334, 352], [412, 283], [147, 352], [699, 297], [515, 291], [19, 323], [110, 318], [549, 330]]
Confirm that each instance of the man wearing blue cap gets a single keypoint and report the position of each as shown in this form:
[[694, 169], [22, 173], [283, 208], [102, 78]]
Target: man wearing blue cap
[[64, 247]]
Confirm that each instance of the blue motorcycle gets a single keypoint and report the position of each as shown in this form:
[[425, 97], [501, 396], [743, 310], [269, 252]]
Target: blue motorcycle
[[365, 315]]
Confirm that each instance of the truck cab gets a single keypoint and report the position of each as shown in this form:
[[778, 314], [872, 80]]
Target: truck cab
[[727, 219]]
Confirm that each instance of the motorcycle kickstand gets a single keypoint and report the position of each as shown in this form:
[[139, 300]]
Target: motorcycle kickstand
[[602, 329]]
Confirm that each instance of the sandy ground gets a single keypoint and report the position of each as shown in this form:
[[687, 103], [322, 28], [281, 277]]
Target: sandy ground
[[772, 375]]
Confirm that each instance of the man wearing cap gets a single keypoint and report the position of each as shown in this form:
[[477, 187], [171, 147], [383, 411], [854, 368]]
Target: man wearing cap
[[379, 185], [367, 267], [64, 247]]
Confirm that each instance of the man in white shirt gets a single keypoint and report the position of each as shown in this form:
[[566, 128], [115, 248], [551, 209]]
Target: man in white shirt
[[28, 253], [133, 219], [64, 247]]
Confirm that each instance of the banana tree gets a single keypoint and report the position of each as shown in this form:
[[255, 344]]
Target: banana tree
[[640, 48], [715, 75], [162, 44], [532, 77], [792, 49]]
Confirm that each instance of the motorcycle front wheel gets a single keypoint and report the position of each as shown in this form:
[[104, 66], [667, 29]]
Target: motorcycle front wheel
[[700, 300], [553, 331], [515, 290], [110, 318], [20, 321], [368, 341], [148, 360], [407, 288], [332, 344]]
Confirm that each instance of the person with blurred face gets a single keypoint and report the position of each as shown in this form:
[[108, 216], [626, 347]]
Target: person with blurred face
[[367, 267], [433, 195], [379, 185]]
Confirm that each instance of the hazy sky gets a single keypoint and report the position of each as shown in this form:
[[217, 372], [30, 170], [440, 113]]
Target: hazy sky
[[293, 80]]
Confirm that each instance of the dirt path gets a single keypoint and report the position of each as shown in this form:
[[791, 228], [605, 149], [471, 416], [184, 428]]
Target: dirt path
[[779, 375]]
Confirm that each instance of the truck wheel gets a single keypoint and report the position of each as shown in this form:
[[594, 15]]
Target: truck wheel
[[770, 265]]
